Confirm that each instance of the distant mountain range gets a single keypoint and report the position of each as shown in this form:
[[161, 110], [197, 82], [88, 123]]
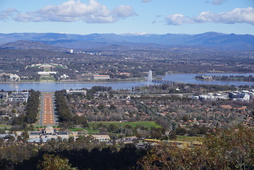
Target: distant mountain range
[[93, 41], [29, 45]]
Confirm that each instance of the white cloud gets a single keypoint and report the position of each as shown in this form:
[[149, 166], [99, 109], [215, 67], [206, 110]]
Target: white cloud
[[177, 19], [237, 15], [72, 10], [123, 11], [7, 14]]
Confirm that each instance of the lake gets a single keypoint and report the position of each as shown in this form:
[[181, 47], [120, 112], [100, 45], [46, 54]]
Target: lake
[[190, 78], [51, 87], [183, 78]]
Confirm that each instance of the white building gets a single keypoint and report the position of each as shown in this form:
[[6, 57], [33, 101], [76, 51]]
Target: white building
[[76, 91], [9, 77], [101, 77], [64, 76], [14, 77], [48, 133], [46, 72], [102, 138], [19, 97], [246, 97], [71, 51]]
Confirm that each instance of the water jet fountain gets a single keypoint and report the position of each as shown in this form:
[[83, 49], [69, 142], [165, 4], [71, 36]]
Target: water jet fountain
[[150, 77]]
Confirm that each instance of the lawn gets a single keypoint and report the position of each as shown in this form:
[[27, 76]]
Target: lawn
[[39, 127], [47, 78], [146, 124], [76, 129], [81, 129], [2, 126]]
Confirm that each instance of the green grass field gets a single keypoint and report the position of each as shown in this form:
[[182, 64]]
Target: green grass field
[[2, 126], [47, 78], [81, 129], [146, 124], [39, 127]]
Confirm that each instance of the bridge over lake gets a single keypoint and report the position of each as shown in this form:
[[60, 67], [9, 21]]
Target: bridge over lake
[[163, 81]]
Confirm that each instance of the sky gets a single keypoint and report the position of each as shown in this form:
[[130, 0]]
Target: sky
[[127, 16]]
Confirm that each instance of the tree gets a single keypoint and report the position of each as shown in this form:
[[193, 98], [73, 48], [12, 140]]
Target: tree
[[19, 138], [25, 135], [156, 133], [101, 107], [11, 139], [172, 135], [112, 128], [232, 148], [185, 118], [112, 107], [32, 109], [181, 131], [227, 149], [52, 162], [1, 142]]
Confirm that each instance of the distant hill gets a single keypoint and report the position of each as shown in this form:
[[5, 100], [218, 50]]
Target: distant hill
[[208, 40], [29, 45]]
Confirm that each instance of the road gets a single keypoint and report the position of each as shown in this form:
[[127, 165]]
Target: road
[[47, 113]]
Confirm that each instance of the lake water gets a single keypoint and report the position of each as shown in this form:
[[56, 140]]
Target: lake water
[[183, 78], [190, 78], [51, 87]]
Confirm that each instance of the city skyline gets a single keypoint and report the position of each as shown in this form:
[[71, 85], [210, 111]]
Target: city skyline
[[121, 16]]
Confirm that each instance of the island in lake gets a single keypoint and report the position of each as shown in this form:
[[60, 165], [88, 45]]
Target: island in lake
[[249, 78]]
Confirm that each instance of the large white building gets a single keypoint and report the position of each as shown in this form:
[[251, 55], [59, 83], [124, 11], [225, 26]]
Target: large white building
[[19, 97], [46, 72], [9, 77], [14, 77], [46, 134]]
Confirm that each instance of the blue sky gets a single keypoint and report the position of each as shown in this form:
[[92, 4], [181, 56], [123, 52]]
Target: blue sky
[[127, 16]]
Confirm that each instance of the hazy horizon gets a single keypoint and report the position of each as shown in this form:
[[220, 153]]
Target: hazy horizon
[[131, 33]]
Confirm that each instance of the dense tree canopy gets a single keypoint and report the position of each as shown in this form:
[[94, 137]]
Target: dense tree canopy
[[66, 118], [32, 109], [227, 149]]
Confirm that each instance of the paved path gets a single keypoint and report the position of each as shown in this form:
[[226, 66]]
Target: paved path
[[47, 113]]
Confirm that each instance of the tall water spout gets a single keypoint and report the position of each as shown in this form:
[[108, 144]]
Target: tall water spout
[[149, 77]]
